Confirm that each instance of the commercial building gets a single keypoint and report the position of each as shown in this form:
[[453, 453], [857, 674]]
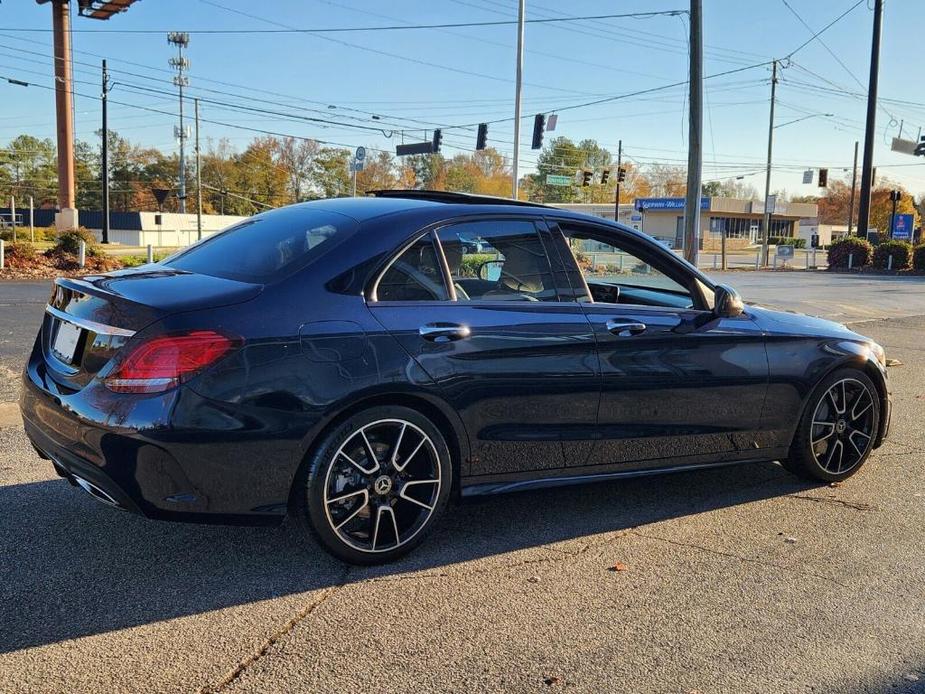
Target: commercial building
[[168, 229], [742, 221]]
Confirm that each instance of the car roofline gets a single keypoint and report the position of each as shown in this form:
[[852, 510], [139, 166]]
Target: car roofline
[[453, 197]]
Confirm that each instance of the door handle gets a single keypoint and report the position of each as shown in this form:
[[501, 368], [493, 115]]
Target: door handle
[[625, 328], [444, 332]]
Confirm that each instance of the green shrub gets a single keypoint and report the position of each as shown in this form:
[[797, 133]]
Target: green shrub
[[20, 249], [851, 245], [901, 252], [918, 257], [787, 241], [46, 233], [69, 242], [469, 267]]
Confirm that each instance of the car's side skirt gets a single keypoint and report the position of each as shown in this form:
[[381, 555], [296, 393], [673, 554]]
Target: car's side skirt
[[483, 486]]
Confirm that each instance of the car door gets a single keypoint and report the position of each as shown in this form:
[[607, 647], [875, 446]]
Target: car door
[[476, 304], [678, 383]]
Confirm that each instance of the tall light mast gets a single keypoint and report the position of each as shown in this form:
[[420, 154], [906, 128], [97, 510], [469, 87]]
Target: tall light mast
[[180, 63]]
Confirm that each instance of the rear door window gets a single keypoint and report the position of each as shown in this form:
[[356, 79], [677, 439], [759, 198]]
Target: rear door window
[[266, 247], [415, 275], [497, 260]]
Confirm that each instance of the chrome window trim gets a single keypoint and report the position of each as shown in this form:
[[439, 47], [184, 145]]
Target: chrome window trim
[[93, 326]]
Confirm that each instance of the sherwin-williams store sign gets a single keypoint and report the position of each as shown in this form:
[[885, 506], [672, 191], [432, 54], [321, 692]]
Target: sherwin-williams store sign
[[667, 203]]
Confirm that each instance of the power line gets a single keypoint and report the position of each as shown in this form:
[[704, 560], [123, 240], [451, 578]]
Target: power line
[[341, 30], [822, 30]]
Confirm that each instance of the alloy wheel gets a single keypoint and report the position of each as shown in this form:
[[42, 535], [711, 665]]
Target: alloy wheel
[[842, 426], [382, 485]]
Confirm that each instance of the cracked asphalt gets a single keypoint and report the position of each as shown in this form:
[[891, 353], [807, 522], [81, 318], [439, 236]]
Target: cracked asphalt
[[739, 579]]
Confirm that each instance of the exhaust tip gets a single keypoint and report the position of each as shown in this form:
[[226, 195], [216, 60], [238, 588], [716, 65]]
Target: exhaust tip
[[97, 493]]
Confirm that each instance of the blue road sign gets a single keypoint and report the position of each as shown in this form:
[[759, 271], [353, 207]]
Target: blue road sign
[[667, 203], [902, 227]]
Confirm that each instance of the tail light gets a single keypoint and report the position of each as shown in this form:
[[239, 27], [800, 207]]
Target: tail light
[[165, 362]]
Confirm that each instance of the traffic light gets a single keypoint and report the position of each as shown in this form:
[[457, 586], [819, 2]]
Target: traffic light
[[481, 140], [621, 175], [919, 150], [586, 176], [539, 127], [605, 176], [823, 177], [438, 139], [895, 196]]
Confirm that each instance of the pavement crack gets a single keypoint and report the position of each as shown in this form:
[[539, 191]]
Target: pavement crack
[[856, 505], [739, 557], [274, 638]]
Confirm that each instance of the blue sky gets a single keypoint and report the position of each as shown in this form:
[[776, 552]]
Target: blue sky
[[415, 79]]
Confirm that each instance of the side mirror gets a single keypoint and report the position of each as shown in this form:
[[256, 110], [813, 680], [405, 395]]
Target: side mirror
[[490, 270], [726, 302]]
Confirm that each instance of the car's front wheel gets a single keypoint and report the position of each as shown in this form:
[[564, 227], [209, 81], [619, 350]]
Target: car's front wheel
[[838, 428], [375, 485]]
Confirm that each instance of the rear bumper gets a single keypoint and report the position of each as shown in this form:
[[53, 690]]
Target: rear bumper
[[79, 472], [157, 455]]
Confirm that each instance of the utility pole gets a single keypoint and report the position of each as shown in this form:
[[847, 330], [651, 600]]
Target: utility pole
[[13, 215], [104, 167], [867, 166], [854, 183], [518, 89], [181, 40], [767, 177], [694, 136], [64, 108], [31, 220], [198, 176], [616, 194]]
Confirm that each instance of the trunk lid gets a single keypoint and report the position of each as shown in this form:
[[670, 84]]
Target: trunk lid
[[88, 320]]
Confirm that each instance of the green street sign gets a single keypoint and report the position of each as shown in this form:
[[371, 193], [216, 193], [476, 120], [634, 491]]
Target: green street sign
[[556, 180]]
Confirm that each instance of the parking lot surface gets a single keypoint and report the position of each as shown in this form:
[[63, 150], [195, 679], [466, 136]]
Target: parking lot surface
[[739, 579]]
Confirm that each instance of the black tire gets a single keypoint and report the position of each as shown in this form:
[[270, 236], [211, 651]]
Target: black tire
[[343, 499], [838, 428]]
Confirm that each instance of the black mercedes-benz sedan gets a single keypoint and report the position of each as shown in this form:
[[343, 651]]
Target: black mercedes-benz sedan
[[355, 362]]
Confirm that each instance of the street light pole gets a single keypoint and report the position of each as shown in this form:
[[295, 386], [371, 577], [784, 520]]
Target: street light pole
[[854, 183], [518, 89], [198, 176], [767, 178]]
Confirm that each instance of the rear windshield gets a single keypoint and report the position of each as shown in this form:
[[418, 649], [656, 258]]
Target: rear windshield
[[267, 247]]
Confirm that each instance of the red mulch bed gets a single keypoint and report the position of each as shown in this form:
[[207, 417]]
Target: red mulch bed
[[54, 263]]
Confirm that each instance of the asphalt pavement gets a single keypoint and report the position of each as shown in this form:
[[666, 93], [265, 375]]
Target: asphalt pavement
[[732, 580]]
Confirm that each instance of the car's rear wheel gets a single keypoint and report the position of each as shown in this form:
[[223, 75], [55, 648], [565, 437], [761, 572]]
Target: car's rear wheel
[[375, 485], [838, 429]]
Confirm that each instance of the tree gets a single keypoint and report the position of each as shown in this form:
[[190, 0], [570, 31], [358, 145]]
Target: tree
[[379, 173], [260, 178], [297, 157], [560, 157], [29, 167], [330, 176], [881, 207], [667, 181], [834, 205], [730, 188]]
